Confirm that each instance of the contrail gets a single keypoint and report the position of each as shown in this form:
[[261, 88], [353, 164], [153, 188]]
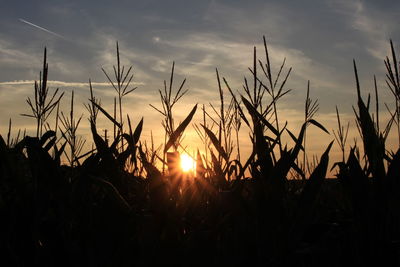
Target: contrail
[[41, 28]]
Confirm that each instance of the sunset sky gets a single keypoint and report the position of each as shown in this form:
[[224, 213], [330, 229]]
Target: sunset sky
[[318, 38]]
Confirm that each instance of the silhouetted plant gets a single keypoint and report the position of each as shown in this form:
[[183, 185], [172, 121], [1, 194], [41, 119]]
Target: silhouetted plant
[[69, 132], [121, 85], [341, 134], [310, 109], [41, 106], [104, 212], [172, 137], [393, 82]]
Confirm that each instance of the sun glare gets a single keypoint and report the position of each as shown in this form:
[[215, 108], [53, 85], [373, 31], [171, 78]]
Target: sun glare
[[187, 163]]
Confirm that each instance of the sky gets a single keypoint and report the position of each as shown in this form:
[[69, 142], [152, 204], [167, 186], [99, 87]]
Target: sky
[[319, 40]]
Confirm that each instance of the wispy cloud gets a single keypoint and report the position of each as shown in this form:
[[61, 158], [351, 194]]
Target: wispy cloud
[[374, 26], [61, 83], [319, 40]]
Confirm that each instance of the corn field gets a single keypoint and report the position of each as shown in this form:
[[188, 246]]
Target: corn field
[[127, 202]]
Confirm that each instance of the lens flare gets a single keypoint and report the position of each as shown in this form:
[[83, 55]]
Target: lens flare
[[187, 163]]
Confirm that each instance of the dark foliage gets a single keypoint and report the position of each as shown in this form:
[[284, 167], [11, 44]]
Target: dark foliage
[[114, 207]]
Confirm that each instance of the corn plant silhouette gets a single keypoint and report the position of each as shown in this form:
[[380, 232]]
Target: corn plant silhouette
[[42, 106], [114, 206]]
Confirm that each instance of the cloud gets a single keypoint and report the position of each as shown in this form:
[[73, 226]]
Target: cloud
[[62, 83], [319, 40], [233, 59], [376, 27], [13, 57]]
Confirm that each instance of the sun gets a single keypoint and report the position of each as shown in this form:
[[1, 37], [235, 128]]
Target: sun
[[187, 163]]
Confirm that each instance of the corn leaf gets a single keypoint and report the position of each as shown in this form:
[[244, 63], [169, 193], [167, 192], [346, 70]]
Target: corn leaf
[[46, 136], [215, 142], [179, 131], [312, 121], [256, 115], [374, 148], [106, 114], [138, 131]]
